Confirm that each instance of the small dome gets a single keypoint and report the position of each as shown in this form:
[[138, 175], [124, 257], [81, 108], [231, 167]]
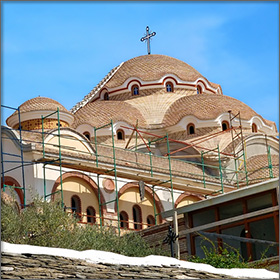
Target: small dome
[[41, 104], [36, 107], [153, 67]]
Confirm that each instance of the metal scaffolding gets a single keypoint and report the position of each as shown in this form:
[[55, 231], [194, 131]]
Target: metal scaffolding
[[115, 174], [21, 161], [43, 118], [239, 156], [156, 176]]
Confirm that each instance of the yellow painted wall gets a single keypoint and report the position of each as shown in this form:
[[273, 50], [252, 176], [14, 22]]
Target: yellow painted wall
[[77, 186], [187, 200], [131, 197]]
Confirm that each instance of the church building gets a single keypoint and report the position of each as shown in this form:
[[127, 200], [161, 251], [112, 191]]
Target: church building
[[153, 136]]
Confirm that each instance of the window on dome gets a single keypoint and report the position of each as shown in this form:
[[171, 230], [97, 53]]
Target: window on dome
[[190, 129], [123, 219], [135, 90], [169, 87], [225, 125], [91, 215], [106, 96], [76, 207], [137, 217], [120, 134], [151, 221], [254, 128], [198, 90], [87, 135]]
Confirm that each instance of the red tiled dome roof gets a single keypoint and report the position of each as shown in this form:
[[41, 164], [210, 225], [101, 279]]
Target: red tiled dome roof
[[37, 104], [100, 113], [153, 67], [206, 107], [41, 103]]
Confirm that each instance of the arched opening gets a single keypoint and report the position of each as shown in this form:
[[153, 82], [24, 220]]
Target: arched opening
[[80, 184], [106, 96], [10, 181], [123, 219], [190, 129], [151, 221], [130, 192], [198, 90], [254, 128], [87, 135], [169, 87], [225, 125], [120, 134], [76, 207], [135, 90], [91, 215], [137, 217], [187, 198]]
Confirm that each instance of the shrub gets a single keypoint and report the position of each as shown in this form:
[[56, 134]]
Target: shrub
[[220, 257], [46, 224]]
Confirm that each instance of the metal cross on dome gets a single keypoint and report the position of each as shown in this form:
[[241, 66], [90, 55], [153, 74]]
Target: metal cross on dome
[[147, 38]]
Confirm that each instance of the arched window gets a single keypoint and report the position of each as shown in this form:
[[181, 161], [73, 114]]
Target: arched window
[[135, 90], [76, 206], [169, 87], [190, 129], [91, 215], [106, 96], [254, 128], [198, 90], [124, 219], [87, 134], [137, 217], [225, 125], [120, 134], [151, 221]]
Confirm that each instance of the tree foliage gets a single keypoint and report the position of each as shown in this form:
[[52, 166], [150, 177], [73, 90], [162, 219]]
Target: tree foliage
[[46, 224]]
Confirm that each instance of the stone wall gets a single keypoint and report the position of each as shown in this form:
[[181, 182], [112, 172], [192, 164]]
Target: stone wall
[[28, 266]]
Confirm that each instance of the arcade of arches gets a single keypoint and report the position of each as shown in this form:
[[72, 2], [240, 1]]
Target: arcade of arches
[[80, 195]]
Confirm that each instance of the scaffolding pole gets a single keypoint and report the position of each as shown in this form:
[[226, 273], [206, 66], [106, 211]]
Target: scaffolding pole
[[21, 159], [269, 163], [50, 162], [115, 173], [116, 179], [235, 154], [170, 169]]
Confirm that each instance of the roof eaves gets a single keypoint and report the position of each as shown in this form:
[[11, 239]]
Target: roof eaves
[[95, 90]]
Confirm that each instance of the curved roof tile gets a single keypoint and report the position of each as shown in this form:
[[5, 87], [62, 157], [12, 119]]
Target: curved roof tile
[[153, 67], [101, 112], [206, 107], [41, 103]]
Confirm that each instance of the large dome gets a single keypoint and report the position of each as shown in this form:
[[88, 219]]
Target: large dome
[[153, 67]]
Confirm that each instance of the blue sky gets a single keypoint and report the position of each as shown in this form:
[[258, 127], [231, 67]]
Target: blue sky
[[61, 50]]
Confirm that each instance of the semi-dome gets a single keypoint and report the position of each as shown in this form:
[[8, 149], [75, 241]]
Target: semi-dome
[[32, 110], [163, 110], [207, 107], [102, 113]]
